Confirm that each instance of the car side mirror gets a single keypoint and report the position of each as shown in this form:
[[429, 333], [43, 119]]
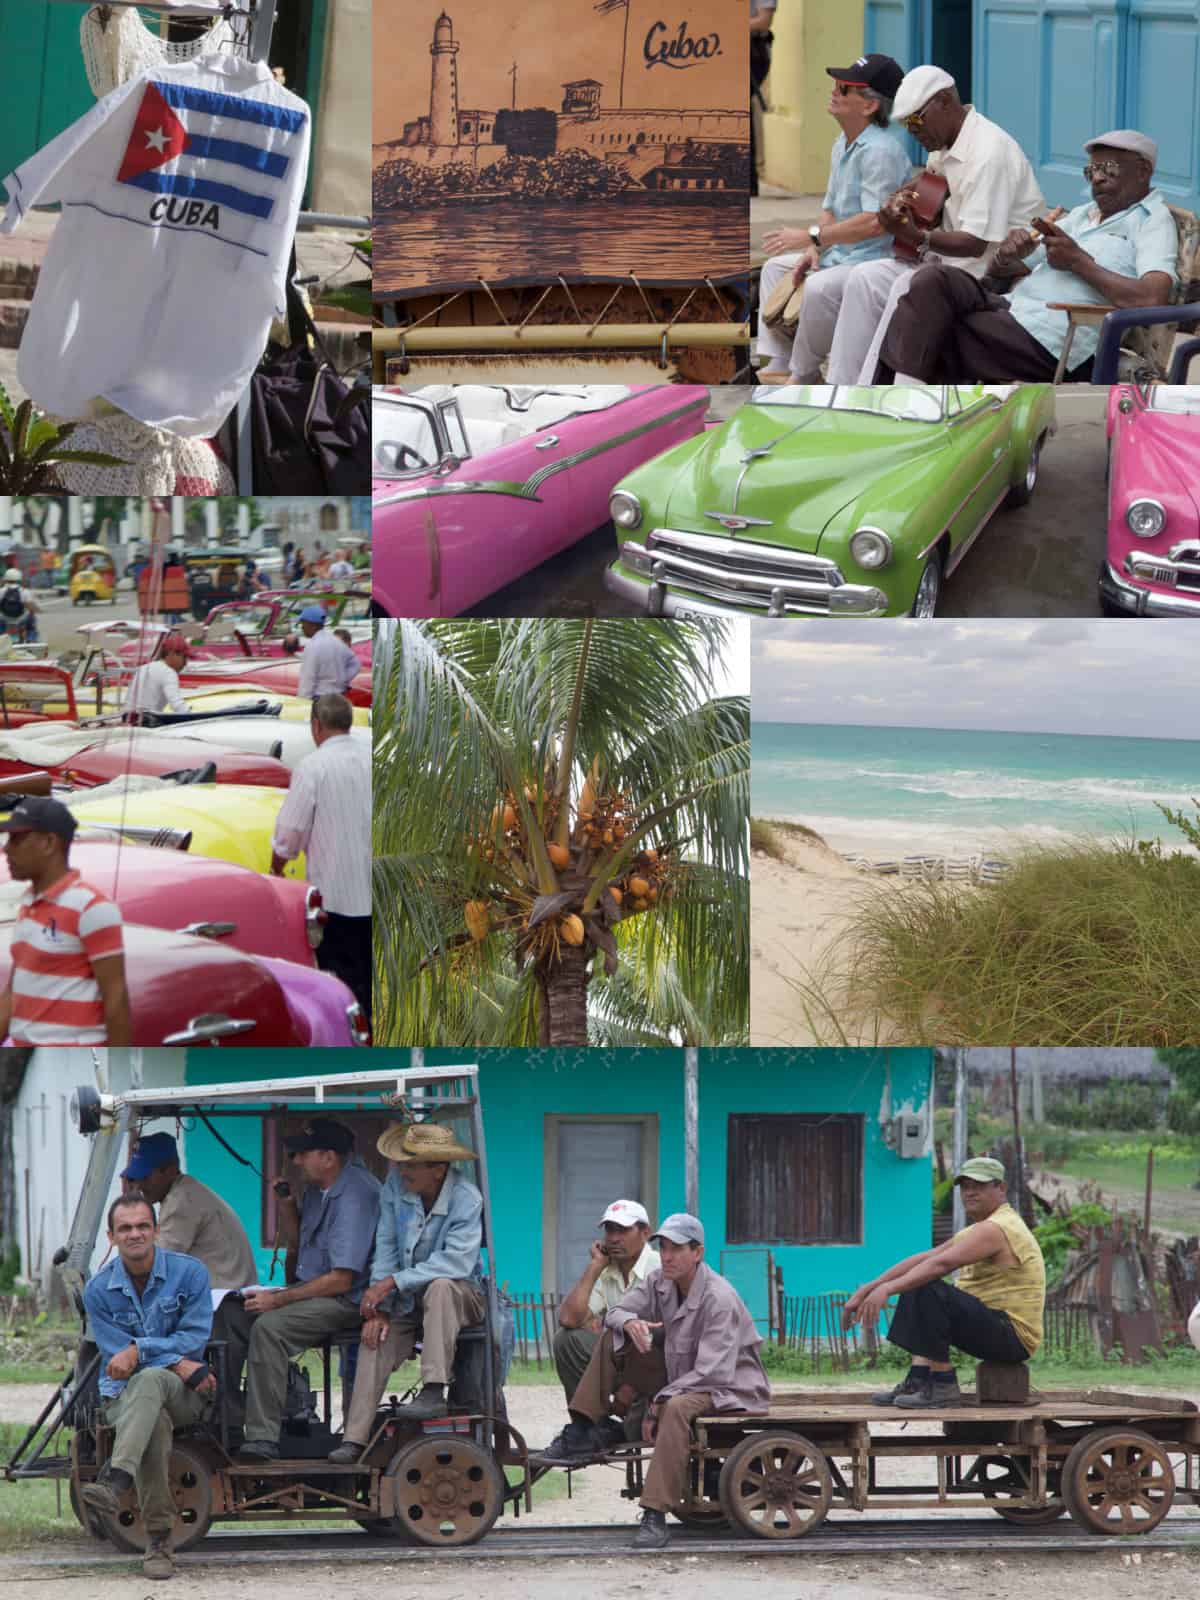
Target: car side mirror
[[447, 465]]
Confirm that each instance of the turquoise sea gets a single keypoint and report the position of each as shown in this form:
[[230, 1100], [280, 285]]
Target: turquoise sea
[[921, 789]]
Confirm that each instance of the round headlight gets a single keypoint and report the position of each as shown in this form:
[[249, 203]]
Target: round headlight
[[871, 548], [625, 510], [1145, 518]]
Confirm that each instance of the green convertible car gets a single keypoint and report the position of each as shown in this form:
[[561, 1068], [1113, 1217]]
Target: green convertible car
[[842, 502]]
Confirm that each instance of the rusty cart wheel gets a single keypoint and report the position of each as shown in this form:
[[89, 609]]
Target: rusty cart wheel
[[776, 1486], [448, 1490], [1118, 1480], [90, 1521], [1001, 1478], [190, 1478]]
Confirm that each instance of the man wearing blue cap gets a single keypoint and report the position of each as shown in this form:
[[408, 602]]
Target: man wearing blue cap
[[327, 666], [192, 1219], [697, 1352]]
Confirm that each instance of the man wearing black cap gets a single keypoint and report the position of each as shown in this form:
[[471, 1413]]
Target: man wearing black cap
[[867, 165], [337, 1222], [68, 963]]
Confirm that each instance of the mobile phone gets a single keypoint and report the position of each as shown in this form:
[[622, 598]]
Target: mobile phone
[[283, 1189]]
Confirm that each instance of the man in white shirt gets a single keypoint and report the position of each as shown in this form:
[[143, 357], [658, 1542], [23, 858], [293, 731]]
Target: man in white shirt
[[327, 666], [155, 687], [992, 190], [326, 813], [18, 607], [614, 1265], [340, 570]]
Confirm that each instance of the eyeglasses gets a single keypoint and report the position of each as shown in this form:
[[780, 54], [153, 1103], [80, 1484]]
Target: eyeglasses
[[1106, 169], [850, 88], [913, 122]]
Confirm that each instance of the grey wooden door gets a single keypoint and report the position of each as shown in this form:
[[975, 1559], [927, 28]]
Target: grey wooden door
[[598, 1162]]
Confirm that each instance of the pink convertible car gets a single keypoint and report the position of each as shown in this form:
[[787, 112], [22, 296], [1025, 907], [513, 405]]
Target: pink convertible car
[[1152, 568], [475, 484]]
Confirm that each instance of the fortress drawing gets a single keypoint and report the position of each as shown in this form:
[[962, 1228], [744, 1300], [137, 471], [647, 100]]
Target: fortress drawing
[[658, 149]]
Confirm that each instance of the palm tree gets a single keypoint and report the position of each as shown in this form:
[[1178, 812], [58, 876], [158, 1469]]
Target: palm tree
[[561, 812]]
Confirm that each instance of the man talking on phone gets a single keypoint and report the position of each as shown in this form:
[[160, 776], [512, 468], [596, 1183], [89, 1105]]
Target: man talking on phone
[[1121, 249]]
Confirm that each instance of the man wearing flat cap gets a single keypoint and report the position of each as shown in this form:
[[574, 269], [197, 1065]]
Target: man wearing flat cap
[[991, 189], [866, 166], [697, 1349], [426, 1277], [336, 1229], [1119, 249], [192, 1219], [994, 1312]]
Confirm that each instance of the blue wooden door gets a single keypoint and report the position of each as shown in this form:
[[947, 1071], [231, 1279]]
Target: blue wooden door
[[1058, 72], [43, 87]]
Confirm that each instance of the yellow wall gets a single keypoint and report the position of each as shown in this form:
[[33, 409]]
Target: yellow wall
[[810, 35], [342, 157]]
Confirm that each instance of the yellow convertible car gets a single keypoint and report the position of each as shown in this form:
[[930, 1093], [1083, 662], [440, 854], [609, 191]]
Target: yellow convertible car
[[227, 821]]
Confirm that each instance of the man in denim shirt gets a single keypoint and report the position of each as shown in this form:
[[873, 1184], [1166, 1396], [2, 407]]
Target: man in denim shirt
[[337, 1228], [150, 1313], [426, 1277]]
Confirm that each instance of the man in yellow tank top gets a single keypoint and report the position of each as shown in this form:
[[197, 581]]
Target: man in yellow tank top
[[993, 1313]]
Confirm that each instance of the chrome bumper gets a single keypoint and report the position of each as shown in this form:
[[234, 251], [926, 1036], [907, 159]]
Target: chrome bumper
[[682, 573], [1139, 602]]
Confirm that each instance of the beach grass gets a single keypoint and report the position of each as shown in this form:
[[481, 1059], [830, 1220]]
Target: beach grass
[[770, 837], [1081, 944]]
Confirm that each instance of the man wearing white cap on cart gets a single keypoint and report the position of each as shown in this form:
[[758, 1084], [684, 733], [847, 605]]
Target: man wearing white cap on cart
[[1121, 248], [615, 1263], [991, 191]]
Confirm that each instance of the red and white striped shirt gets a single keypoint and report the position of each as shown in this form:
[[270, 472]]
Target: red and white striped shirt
[[57, 936]]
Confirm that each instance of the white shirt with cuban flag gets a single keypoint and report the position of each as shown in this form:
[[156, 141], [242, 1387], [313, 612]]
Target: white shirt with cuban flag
[[180, 192]]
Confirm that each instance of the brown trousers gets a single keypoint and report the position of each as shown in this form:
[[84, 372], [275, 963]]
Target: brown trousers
[[666, 1480], [447, 1306]]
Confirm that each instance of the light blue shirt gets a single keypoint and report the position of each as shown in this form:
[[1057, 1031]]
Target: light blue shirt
[[170, 1321], [1142, 238], [337, 1226], [415, 1246], [861, 177]]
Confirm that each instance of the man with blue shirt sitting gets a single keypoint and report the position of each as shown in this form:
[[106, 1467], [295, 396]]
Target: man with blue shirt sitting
[[1121, 249], [150, 1314], [868, 164], [426, 1276], [336, 1230]]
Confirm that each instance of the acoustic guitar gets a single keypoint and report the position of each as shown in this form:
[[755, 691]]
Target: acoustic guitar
[[928, 197]]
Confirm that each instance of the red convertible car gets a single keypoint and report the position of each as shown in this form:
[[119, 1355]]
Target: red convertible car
[[476, 484], [1152, 566]]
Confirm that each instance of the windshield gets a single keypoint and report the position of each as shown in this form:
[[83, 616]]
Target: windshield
[[404, 438], [902, 404], [1179, 402]]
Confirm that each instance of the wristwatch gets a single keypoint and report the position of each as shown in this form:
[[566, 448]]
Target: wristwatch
[[814, 233], [923, 247]]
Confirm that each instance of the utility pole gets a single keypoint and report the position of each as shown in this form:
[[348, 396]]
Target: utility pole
[[691, 1130], [1016, 1114], [959, 1137], [512, 72]]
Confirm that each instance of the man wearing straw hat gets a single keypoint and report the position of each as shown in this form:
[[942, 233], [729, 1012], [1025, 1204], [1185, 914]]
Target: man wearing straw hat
[[994, 1312], [426, 1277]]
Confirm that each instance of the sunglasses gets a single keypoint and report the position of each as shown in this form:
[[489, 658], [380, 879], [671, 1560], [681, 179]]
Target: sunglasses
[[913, 122], [1097, 169], [850, 88]]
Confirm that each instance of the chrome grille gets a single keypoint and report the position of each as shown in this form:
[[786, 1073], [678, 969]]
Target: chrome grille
[[742, 573]]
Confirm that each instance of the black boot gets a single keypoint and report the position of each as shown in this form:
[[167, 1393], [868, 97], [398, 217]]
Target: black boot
[[914, 1379], [430, 1403], [653, 1533], [105, 1492]]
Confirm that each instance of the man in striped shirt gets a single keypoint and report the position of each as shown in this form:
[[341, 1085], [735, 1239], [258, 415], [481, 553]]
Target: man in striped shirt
[[68, 962], [326, 813]]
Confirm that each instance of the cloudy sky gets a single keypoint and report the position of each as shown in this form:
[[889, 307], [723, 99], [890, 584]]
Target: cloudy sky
[[1108, 676]]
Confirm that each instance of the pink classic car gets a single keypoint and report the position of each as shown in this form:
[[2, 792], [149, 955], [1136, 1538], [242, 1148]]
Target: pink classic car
[[1152, 568], [475, 484], [243, 630]]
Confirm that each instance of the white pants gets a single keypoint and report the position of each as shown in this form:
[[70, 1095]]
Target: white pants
[[819, 310], [867, 302]]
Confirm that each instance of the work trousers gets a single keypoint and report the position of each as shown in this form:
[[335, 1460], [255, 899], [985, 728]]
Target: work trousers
[[345, 950], [930, 1319], [264, 1343], [819, 308], [145, 1415], [666, 1480], [447, 1306], [573, 1349]]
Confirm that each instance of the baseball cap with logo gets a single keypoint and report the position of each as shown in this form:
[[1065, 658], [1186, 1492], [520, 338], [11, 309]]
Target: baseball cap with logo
[[40, 814], [151, 1152], [983, 1169], [876, 72], [321, 1133], [681, 1228], [626, 1214]]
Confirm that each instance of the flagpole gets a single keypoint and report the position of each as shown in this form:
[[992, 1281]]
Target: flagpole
[[624, 52]]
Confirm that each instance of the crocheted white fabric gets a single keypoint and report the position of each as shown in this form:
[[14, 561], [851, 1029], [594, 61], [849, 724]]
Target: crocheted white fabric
[[118, 50], [156, 463]]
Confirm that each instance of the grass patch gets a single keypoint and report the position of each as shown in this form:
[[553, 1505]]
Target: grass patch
[[19, 1372], [29, 1512], [1082, 944]]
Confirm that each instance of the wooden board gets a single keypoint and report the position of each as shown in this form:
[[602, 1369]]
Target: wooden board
[[848, 1406]]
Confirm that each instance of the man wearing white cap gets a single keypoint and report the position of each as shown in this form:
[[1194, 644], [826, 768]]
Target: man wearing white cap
[[1119, 249], [991, 191], [993, 1312], [18, 608], [621, 1258], [698, 1350]]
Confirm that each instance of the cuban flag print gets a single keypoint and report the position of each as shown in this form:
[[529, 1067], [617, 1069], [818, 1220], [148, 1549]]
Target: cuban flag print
[[200, 150]]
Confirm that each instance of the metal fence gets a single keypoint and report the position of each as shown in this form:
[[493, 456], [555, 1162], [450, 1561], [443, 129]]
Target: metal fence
[[536, 1318]]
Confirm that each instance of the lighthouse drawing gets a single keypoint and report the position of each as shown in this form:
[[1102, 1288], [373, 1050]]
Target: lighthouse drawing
[[443, 93]]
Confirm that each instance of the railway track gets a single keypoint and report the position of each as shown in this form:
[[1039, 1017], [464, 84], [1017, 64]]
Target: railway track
[[865, 1536]]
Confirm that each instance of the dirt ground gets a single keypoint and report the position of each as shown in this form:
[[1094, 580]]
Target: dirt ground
[[1183, 1204]]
